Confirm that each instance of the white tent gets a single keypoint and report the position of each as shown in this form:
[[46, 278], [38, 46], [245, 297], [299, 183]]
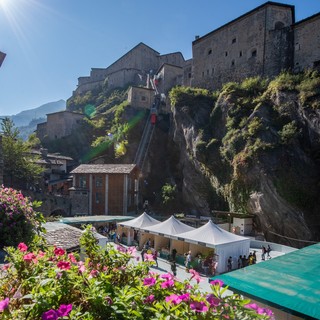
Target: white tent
[[165, 230], [143, 221], [226, 244]]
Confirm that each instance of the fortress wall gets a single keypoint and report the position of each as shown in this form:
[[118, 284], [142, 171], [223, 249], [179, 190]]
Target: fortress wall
[[240, 48], [307, 43], [176, 59]]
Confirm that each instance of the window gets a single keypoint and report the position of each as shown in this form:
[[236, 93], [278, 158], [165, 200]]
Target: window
[[82, 182], [232, 63], [278, 25], [212, 71], [202, 74], [98, 197], [207, 72], [226, 53], [254, 53], [240, 54], [99, 182], [143, 98], [234, 40], [209, 51], [189, 75]]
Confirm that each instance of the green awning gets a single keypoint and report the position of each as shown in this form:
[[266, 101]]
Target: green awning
[[95, 219], [290, 282]]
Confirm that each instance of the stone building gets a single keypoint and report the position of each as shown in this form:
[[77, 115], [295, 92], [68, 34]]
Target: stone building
[[140, 97], [262, 42], [307, 43], [132, 68], [257, 43], [59, 124], [105, 189]]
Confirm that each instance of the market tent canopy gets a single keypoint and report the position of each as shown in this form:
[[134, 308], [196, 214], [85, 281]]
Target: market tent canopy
[[210, 235], [169, 227], [144, 220], [289, 282]]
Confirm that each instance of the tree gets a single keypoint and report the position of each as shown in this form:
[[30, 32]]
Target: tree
[[168, 193], [20, 165]]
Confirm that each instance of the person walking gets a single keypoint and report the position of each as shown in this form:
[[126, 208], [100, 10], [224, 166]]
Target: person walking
[[173, 267], [155, 257], [229, 264], [188, 261]]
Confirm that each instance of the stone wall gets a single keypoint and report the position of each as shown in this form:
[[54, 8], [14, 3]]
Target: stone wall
[[307, 43], [139, 97], [242, 48], [61, 124]]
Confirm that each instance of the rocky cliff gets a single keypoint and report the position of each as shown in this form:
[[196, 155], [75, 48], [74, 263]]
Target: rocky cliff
[[257, 144]]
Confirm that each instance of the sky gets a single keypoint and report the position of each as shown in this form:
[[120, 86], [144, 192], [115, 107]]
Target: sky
[[50, 43]]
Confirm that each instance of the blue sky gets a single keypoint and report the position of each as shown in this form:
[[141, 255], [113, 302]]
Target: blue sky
[[50, 43]]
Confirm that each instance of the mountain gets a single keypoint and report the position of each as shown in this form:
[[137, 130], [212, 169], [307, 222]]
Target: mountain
[[24, 118]]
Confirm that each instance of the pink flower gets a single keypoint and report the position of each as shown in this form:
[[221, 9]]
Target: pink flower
[[41, 254], [167, 284], [214, 301], [199, 306], [82, 267], [185, 297], [4, 304], [94, 273], [173, 298], [148, 257], [22, 247], [30, 257], [64, 310], [217, 282], [149, 299], [72, 258], [64, 265], [167, 276], [149, 281], [132, 251], [50, 315], [59, 252], [259, 310], [6, 266]]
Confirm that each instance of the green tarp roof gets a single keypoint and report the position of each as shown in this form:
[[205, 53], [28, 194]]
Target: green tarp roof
[[290, 282], [94, 219]]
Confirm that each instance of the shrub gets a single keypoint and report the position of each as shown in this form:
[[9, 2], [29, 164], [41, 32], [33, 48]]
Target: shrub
[[18, 220], [52, 284]]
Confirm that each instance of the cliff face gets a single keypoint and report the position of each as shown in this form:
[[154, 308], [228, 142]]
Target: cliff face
[[258, 148]]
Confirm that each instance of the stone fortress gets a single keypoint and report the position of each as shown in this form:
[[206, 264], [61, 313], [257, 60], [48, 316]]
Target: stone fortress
[[262, 42]]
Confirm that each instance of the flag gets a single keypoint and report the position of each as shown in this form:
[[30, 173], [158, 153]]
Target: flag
[[2, 56]]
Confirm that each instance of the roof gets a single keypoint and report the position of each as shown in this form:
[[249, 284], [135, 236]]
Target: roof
[[247, 14], [104, 168], [94, 219], [169, 227], [62, 235], [211, 235], [289, 282], [144, 220], [308, 19]]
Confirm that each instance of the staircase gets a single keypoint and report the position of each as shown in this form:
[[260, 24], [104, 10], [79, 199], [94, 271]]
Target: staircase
[[147, 134]]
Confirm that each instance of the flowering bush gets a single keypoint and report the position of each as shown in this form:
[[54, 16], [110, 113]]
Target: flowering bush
[[106, 284], [18, 220]]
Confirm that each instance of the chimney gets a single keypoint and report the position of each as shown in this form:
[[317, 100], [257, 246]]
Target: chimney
[[196, 37]]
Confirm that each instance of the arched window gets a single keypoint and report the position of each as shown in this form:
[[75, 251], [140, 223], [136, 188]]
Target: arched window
[[278, 25]]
